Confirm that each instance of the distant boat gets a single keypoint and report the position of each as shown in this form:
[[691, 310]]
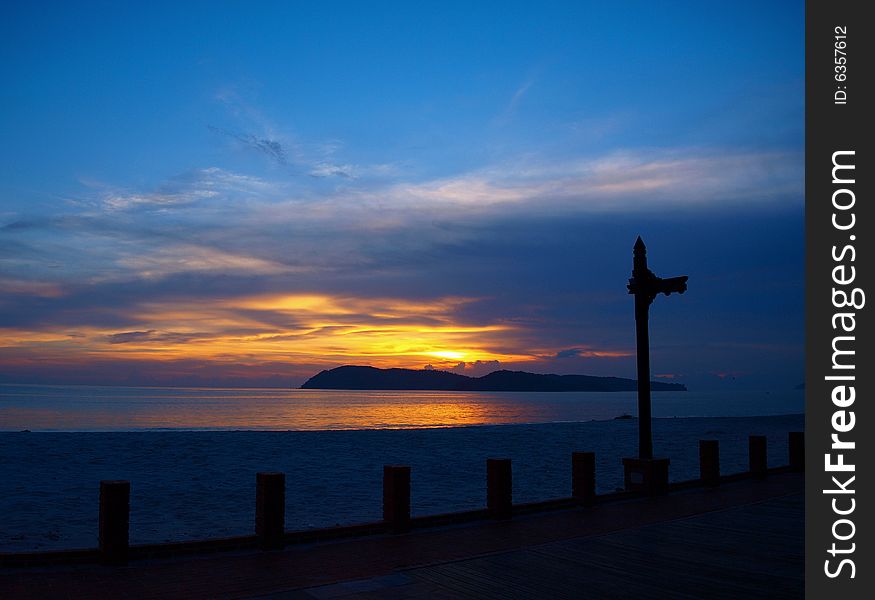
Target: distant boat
[[625, 416]]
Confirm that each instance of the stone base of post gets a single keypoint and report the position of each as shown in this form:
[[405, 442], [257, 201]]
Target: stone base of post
[[647, 475]]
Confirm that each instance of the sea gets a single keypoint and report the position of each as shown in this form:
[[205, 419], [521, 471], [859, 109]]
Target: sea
[[97, 408], [191, 454]]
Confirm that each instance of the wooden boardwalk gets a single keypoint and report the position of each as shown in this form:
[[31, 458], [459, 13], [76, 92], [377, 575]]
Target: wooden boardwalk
[[708, 556], [741, 540]]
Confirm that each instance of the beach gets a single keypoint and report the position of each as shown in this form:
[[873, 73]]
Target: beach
[[188, 485]]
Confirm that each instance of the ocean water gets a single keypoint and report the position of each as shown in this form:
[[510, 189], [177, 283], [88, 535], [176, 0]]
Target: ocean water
[[192, 455], [95, 408]]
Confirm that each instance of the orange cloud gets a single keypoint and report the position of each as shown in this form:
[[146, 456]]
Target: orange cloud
[[289, 327], [292, 329]]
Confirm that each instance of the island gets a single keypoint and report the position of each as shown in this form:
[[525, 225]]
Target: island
[[353, 377]]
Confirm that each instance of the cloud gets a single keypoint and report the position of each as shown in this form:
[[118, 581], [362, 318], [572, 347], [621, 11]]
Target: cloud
[[38, 289], [272, 148], [185, 190], [325, 169], [568, 353], [590, 353], [728, 374], [478, 368], [153, 336], [297, 329], [667, 375], [511, 108], [519, 93], [187, 258], [522, 262], [316, 162], [692, 179], [315, 158]]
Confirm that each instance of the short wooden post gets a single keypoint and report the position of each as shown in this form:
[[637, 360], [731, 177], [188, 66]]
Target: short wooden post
[[796, 446], [396, 497], [499, 487], [114, 520], [758, 462], [270, 510], [709, 462], [583, 477]]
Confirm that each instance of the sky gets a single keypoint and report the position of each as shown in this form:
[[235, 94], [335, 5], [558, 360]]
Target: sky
[[244, 194]]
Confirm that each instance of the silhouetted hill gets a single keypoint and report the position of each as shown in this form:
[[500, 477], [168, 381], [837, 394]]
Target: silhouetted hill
[[371, 378]]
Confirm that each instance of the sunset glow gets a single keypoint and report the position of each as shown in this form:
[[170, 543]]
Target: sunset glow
[[292, 328]]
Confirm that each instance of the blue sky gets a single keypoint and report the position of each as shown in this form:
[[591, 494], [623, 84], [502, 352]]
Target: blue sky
[[398, 184]]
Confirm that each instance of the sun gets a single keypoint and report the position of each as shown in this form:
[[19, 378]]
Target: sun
[[448, 354]]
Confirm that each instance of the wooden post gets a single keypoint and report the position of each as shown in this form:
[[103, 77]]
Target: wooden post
[[113, 521], [645, 286], [642, 334], [270, 510], [583, 477], [499, 487], [796, 446], [396, 497], [709, 462], [758, 463]]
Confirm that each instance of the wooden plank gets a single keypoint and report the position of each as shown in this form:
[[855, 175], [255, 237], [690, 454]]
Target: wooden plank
[[753, 551]]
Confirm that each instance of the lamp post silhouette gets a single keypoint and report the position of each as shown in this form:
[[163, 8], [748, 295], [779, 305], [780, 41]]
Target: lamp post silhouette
[[645, 286]]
